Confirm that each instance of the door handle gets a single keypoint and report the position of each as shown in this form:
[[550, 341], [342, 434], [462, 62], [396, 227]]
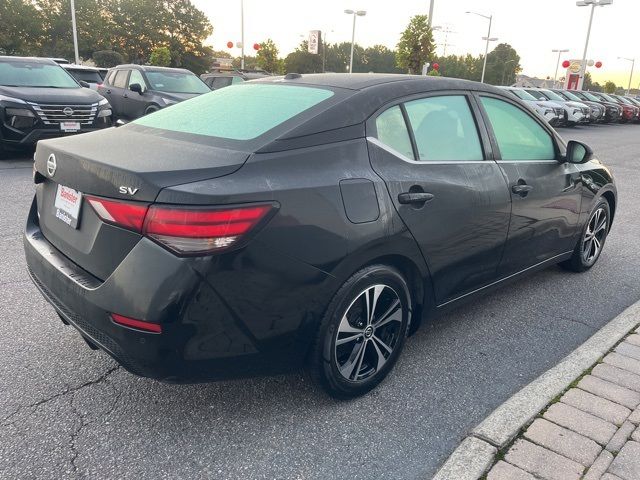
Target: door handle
[[521, 189], [407, 198]]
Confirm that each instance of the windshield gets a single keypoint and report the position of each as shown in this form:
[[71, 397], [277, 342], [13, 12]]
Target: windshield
[[608, 98], [590, 96], [570, 96], [524, 95], [176, 82], [86, 75], [42, 75], [237, 112], [553, 96], [537, 95], [626, 100]]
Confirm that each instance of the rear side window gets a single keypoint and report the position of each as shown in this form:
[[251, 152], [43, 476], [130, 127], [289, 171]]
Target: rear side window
[[120, 80], [444, 129], [519, 136], [392, 131], [240, 112]]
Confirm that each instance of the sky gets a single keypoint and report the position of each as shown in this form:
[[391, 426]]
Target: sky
[[532, 28]]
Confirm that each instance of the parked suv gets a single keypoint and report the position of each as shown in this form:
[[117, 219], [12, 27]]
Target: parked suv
[[552, 112], [136, 90], [39, 99], [575, 112], [597, 110], [223, 78], [613, 111], [84, 75]]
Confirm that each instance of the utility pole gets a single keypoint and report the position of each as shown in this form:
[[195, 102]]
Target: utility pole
[[560, 52], [75, 32], [242, 34], [430, 13]]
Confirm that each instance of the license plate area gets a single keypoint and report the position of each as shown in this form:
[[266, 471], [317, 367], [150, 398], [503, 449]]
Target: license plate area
[[70, 126], [66, 207]]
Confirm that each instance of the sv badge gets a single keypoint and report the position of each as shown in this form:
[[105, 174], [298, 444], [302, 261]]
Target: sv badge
[[128, 190]]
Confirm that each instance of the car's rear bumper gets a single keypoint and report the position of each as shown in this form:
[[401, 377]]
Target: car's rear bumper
[[202, 336]]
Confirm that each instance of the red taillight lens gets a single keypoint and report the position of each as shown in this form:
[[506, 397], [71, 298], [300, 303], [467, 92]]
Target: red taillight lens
[[123, 214], [186, 231], [199, 231], [137, 324]]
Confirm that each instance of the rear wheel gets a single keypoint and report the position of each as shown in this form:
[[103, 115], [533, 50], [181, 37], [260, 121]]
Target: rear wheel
[[362, 333], [591, 243]]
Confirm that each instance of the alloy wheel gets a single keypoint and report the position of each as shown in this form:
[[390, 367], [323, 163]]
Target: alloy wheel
[[368, 333], [594, 236]]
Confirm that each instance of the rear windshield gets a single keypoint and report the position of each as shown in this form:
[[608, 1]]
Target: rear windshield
[[40, 75], [176, 82], [237, 112], [86, 75]]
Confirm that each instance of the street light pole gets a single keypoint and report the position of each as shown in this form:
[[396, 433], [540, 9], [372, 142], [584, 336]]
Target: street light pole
[[430, 13], [242, 34], [75, 32], [488, 39], [594, 4], [560, 52], [633, 64], [355, 13]]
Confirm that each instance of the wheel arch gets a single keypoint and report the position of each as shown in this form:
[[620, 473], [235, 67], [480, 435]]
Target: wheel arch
[[610, 197]]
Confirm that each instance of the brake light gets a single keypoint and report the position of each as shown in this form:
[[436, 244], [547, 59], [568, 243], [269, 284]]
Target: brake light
[[127, 215], [200, 231], [137, 324], [186, 231]]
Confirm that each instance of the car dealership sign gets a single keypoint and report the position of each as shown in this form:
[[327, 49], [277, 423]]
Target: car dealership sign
[[314, 41]]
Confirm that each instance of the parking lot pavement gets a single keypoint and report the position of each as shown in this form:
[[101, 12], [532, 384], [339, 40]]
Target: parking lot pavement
[[69, 412]]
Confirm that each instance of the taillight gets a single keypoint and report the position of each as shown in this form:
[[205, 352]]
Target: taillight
[[185, 231], [199, 231], [127, 215]]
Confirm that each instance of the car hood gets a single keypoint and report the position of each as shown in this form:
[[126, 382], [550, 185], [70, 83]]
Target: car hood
[[176, 97], [571, 103], [73, 96], [548, 103]]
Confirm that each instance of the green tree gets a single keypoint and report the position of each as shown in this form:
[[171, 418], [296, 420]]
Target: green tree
[[416, 45], [107, 58], [160, 56], [610, 87], [380, 59], [301, 61], [20, 23], [466, 67], [267, 57], [503, 64]]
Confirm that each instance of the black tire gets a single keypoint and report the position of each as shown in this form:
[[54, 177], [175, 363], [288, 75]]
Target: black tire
[[347, 370], [586, 253], [151, 109]]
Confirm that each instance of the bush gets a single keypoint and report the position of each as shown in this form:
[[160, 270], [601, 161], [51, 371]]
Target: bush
[[160, 57], [107, 58]]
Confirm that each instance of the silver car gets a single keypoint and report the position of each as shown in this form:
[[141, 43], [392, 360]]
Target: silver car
[[552, 112]]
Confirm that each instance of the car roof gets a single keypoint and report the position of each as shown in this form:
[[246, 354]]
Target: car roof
[[46, 61], [149, 68], [72, 66]]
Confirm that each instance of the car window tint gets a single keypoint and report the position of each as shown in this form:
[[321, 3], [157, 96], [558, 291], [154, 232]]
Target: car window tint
[[444, 129], [224, 112], [237, 80], [136, 77], [392, 131], [519, 136], [120, 80], [220, 82]]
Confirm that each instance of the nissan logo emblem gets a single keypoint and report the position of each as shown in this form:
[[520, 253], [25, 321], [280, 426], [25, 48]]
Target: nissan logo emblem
[[51, 165], [68, 111]]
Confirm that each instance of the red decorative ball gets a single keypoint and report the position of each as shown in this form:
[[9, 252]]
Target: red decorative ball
[[566, 64], [229, 44], [436, 66], [598, 64], [256, 46]]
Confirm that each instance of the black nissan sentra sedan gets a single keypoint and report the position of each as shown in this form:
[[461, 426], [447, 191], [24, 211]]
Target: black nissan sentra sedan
[[305, 220]]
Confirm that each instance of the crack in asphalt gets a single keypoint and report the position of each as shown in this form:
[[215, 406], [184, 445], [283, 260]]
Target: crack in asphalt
[[569, 319], [67, 391]]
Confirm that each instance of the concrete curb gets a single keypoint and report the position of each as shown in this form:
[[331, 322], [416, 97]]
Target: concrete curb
[[475, 455]]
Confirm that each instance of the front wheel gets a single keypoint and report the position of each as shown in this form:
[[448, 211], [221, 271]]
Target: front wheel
[[591, 243], [151, 109], [362, 333]]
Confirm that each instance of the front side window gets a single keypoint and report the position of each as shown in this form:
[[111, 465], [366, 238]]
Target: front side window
[[519, 136], [136, 77], [392, 131], [444, 129]]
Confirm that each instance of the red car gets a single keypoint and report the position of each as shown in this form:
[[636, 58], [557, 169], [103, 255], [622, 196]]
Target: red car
[[628, 101], [629, 112]]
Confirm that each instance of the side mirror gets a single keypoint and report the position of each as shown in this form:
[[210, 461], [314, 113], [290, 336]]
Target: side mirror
[[84, 84], [578, 152], [136, 87]]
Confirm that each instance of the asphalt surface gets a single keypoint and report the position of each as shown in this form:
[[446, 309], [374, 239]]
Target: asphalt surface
[[69, 412]]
